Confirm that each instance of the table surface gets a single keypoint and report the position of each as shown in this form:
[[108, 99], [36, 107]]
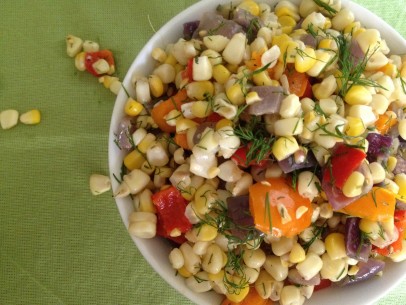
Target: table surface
[[58, 243]]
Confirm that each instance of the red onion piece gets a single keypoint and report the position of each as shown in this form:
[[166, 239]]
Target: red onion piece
[[288, 165], [379, 146], [189, 28], [215, 24], [366, 271], [271, 96], [354, 246], [238, 211], [124, 131]]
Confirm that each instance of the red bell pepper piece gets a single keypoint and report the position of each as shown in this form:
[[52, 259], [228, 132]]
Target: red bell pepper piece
[[240, 158], [343, 162], [324, 283], [170, 206], [188, 72], [92, 57]]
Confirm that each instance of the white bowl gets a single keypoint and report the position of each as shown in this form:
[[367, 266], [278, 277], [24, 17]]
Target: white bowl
[[156, 251]]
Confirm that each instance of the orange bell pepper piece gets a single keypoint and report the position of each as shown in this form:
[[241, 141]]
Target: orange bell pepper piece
[[159, 112], [275, 205], [377, 205]]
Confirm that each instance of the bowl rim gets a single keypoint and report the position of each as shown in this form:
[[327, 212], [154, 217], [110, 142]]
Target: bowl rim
[[141, 63]]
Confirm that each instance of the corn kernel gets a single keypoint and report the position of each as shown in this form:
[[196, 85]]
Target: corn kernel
[[400, 180], [221, 74], [156, 85], [250, 6], [132, 107], [223, 123], [238, 294], [335, 246], [355, 126], [184, 272], [391, 163], [159, 55], [8, 118], [235, 94], [262, 79], [201, 109], [146, 142], [283, 147], [99, 184], [358, 95], [305, 59], [134, 160], [353, 186], [199, 90], [297, 254], [31, 117], [206, 233]]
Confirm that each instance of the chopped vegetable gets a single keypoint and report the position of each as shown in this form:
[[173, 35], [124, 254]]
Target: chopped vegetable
[[159, 112], [378, 205], [171, 206], [273, 204]]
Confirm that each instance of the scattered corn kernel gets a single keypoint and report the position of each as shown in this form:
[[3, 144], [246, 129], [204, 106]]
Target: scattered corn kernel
[[31, 117], [8, 118], [99, 184]]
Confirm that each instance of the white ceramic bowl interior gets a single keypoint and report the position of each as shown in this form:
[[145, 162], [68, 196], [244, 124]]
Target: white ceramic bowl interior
[[156, 251]]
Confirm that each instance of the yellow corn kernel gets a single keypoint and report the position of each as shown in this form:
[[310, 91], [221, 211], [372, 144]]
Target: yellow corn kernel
[[182, 125], [288, 51], [235, 95], [184, 273], [352, 27], [223, 123], [159, 55], [262, 79], [390, 69], [134, 160], [297, 254], [305, 59], [108, 80], [353, 186], [250, 6], [205, 195], [238, 294], [287, 11], [327, 43], [353, 270], [132, 107], [80, 61], [355, 126], [283, 147], [232, 68], [31, 117], [400, 180], [201, 109], [391, 163], [252, 97], [221, 74], [156, 85], [199, 90], [287, 23], [146, 142], [358, 95], [280, 39], [170, 59], [218, 277], [335, 246], [145, 201], [206, 232]]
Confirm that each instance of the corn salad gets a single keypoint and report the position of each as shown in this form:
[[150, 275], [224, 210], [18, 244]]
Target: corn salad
[[268, 145]]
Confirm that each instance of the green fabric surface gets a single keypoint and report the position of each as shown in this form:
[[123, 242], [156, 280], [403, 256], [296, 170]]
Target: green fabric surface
[[58, 243]]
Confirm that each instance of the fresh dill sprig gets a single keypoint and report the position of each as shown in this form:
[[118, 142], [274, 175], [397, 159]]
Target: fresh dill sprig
[[329, 9], [317, 232], [352, 141], [256, 138]]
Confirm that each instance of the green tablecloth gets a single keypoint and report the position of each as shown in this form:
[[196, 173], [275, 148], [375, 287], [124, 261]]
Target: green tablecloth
[[58, 243]]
